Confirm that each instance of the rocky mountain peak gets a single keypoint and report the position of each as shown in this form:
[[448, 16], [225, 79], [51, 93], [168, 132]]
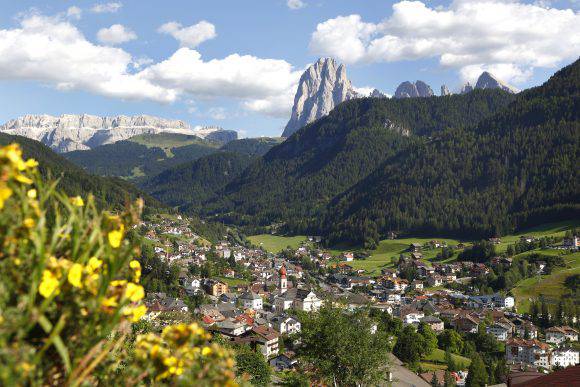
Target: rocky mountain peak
[[322, 86], [444, 90], [467, 88], [488, 81], [413, 90]]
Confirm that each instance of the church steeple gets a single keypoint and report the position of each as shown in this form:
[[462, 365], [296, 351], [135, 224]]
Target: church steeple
[[283, 282]]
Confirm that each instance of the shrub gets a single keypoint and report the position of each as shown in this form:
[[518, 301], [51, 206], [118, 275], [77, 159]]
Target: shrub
[[69, 292]]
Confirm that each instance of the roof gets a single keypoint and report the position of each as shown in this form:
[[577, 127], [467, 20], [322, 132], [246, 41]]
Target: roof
[[265, 332], [564, 330], [563, 377], [527, 343]]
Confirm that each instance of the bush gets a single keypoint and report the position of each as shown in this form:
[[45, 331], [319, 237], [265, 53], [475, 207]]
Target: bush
[[69, 292]]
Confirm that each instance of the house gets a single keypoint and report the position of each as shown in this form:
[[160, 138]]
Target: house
[[283, 302], [558, 335], [565, 357], [231, 327], [266, 340], [435, 323], [215, 288], [415, 247], [531, 352], [410, 315], [283, 362], [572, 243], [495, 240], [251, 301], [435, 280], [466, 324], [348, 257], [417, 285], [286, 324], [307, 301], [501, 331], [525, 329]]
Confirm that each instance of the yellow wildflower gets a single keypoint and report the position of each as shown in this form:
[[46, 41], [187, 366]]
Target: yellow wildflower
[[206, 351], [77, 201], [31, 163], [75, 274], [23, 179], [13, 153], [136, 266], [31, 193], [48, 284], [28, 222], [134, 292], [135, 312], [116, 236], [110, 302], [5, 193], [94, 264], [116, 283]]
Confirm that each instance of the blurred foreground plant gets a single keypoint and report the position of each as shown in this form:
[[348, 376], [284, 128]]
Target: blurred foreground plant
[[69, 291]]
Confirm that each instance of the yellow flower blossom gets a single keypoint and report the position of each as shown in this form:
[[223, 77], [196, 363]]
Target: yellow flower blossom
[[94, 264], [75, 275], [31, 163], [29, 222], [206, 351], [31, 193], [134, 292], [48, 285], [116, 236], [5, 193], [23, 179], [110, 302], [135, 313], [77, 201], [116, 283], [136, 266]]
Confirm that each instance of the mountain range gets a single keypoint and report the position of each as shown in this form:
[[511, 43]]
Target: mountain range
[[70, 132]]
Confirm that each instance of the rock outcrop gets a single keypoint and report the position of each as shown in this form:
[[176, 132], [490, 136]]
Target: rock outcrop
[[322, 86], [467, 88], [444, 90], [376, 93], [413, 90], [70, 132], [216, 134], [488, 81]]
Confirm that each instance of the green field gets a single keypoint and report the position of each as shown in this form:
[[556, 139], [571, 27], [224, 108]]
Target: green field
[[436, 360], [168, 141], [550, 286], [557, 229], [276, 243]]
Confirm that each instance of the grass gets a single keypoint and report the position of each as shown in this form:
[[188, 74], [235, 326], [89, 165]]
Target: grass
[[276, 243], [168, 141], [232, 281], [436, 361], [556, 229], [550, 286]]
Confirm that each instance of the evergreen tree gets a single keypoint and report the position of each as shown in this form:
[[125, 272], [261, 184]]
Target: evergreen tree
[[477, 376]]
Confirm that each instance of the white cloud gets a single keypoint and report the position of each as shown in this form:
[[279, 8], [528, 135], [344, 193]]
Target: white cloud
[[364, 91], [509, 37], [74, 12], [259, 83], [107, 7], [116, 34], [191, 36], [53, 51], [295, 4], [217, 113]]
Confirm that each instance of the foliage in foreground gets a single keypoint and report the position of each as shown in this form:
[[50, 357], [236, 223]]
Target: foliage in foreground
[[70, 291]]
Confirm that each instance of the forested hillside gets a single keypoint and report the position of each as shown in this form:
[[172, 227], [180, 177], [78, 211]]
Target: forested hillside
[[192, 183], [516, 168], [252, 146], [108, 192], [142, 156], [295, 180]]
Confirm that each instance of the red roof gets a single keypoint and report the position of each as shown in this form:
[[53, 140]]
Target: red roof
[[567, 377]]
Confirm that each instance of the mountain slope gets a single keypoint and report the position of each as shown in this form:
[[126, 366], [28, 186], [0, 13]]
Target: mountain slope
[[191, 183], [142, 156], [252, 146], [515, 168], [108, 192], [299, 177]]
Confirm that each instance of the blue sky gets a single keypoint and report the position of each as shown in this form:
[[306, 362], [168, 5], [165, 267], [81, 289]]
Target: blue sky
[[382, 42]]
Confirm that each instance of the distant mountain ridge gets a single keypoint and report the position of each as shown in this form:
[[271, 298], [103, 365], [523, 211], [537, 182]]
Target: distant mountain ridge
[[70, 132]]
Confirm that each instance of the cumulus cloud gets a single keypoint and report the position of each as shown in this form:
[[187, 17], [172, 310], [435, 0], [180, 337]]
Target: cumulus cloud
[[53, 51], [295, 4], [116, 34], [508, 37], [74, 12], [106, 7], [191, 36], [259, 83]]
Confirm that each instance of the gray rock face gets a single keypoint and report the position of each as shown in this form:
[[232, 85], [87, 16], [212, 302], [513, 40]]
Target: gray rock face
[[377, 94], [445, 91], [323, 86], [216, 134], [390, 125], [70, 132], [467, 88], [413, 90], [488, 81]]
